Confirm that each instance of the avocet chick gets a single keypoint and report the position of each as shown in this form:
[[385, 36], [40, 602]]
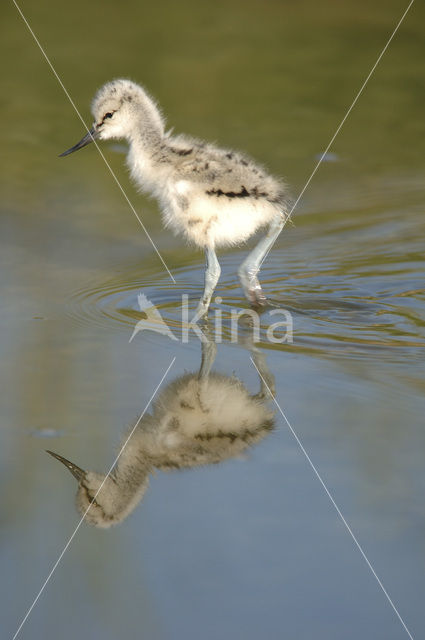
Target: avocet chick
[[215, 197], [197, 419]]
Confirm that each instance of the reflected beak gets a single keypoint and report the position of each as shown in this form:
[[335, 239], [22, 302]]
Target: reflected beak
[[89, 137], [78, 473]]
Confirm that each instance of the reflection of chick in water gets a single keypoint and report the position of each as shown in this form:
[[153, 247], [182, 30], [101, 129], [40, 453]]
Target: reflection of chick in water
[[198, 419]]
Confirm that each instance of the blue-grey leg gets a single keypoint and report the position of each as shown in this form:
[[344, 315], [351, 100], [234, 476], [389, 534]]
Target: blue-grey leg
[[212, 274], [251, 265], [267, 381], [209, 352]]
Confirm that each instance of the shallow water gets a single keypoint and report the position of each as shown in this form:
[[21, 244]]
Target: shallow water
[[252, 547]]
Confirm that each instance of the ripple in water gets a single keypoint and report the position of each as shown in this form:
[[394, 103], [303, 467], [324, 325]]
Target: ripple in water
[[358, 302]]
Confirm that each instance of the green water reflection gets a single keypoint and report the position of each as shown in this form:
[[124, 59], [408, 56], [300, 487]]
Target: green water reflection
[[251, 549]]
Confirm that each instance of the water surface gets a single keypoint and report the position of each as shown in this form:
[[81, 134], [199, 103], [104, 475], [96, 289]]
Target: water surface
[[251, 547]]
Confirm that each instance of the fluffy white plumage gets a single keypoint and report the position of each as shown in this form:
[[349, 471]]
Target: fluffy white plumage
[[195, 421], [213, 196]]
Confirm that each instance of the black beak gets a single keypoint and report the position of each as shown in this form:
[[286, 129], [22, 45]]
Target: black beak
[[89, 137], [77, 472]]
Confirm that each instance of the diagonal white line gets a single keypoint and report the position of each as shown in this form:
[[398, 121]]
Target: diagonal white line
[[360, 91], [351, 107], [89, 507], [97, 146], [337, 509]]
